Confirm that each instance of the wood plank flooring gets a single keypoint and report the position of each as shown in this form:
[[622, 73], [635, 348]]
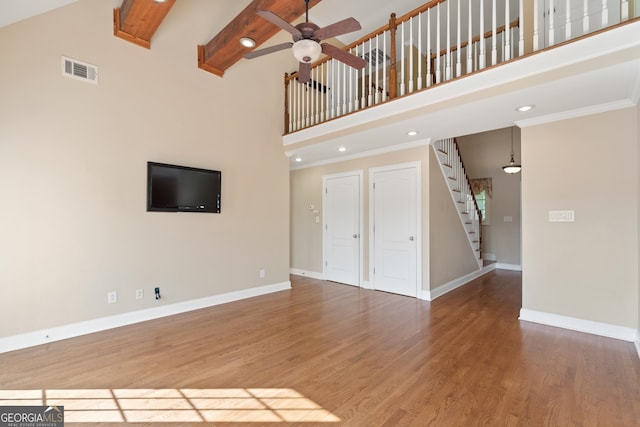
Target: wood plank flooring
[[331, 354]]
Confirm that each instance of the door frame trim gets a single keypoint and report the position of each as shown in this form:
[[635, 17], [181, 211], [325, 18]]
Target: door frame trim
[[360, 174], [417, 165]]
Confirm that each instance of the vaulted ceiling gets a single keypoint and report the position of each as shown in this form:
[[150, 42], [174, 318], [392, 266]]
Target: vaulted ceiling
[[137, 20]]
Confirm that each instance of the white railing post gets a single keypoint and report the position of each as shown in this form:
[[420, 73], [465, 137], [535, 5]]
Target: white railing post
[[624, 10], [521, 28], [507, 36], [428, 76], [585, 17], [605, 14], [536, 26], [458, 50], [419, 77], [552, 31], [470, 42], [482, 57], [494, 39], [447, 66], [437, 60], [567, 25], [402, 49], [411, 55]]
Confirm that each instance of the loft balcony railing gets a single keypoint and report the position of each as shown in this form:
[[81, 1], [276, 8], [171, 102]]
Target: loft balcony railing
[[436, 43]]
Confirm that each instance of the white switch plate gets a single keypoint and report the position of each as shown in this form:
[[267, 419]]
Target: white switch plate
[[112, 297], [561, 216], [508, 219], [139, 293]]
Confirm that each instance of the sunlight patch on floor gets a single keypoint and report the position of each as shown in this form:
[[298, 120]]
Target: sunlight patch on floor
[[175, 405]]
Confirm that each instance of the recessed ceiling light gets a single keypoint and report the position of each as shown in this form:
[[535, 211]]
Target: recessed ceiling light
[[525, 108], [160, 1], [342, 149], [412, 133], [247, 42], [298, 159]]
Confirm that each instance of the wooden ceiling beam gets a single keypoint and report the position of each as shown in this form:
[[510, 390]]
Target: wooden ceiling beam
[[225, 49], [136, 21]]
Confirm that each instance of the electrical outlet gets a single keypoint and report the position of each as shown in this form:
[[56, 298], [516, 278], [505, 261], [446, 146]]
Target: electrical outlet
[[157, 292], [112, 297], [262, 273], [139, 293]]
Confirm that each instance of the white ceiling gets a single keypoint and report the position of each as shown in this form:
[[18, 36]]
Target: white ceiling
[[16, 10]]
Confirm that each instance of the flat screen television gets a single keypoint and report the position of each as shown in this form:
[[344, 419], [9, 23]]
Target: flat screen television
[[172, 188]]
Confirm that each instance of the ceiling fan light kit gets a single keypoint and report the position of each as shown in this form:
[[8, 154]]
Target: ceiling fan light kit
[[306, 44], [307, 50]]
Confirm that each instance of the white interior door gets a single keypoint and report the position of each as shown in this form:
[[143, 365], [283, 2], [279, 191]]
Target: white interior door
[[342, 214], [395, 230]]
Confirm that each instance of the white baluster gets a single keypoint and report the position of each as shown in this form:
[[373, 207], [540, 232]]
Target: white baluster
[[567, 23], [428, 76], [351, 84], [344, 88], [377, 95], [385, 84], [447, 66], [411, 55], [332, 99], [369, 97], [470, 42], [552, 31], [585, 17], [458, 63], [420, 51], [438, 43], [624, 10], [494, 38], [605, 14], [402, 49], [521, 28], [363, 94], [536, 23], [481, 57], [507, 36]]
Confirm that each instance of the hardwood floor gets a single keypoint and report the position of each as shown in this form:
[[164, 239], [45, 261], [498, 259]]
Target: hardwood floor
[[331, 354]]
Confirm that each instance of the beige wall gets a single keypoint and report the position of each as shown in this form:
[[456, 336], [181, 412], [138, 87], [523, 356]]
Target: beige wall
[[451, 255], [587, 269], [484, 154], [73, 167], [453, 258], [306, 188]]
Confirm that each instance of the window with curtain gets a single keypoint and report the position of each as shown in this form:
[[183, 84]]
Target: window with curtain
[[483, 191]]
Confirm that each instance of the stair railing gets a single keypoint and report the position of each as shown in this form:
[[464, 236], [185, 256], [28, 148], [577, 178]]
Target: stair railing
[[452, 167]]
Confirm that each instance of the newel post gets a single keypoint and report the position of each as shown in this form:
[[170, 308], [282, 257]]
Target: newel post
[[286, 103], [393, 74]]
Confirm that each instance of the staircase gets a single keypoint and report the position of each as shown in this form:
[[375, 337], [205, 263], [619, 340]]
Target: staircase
[[460, 189]]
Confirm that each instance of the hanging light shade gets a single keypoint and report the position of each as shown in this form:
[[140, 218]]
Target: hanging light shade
[[512, 167]]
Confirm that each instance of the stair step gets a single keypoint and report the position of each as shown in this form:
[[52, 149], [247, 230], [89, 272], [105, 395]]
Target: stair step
[[442, 151], [447, 165], [460, 201], [472, 232], [464, 213], [452, 178], [456, 190]]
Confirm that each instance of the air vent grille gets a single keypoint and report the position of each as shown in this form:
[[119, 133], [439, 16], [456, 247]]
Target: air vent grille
[[79, 70], [376, 57]]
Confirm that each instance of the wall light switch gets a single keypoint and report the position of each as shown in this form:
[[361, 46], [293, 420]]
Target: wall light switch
[[112, 297], [561, 216], [508, 219]]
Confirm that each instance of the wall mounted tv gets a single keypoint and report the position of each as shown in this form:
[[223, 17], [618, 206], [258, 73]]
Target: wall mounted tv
[[172, 188]]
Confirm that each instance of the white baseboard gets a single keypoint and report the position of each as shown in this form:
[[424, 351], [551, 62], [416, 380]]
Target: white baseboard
[[306, 273], [638, 342], [513, 267], [432, 294], [45, 336], [367, 285], [580, 325]]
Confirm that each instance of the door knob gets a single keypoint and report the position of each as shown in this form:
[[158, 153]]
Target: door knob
[[355, 236], [411, 238]]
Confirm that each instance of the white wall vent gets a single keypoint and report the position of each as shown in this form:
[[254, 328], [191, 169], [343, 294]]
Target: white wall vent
[[376, 57], [79, 70]]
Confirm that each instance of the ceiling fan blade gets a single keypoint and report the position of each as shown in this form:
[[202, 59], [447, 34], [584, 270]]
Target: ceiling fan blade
[[339, 28], [304, 73], [276, 20], [342, 56], [266, 50]]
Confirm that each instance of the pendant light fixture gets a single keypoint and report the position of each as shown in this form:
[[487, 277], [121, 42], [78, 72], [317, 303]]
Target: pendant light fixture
[[512, 167]]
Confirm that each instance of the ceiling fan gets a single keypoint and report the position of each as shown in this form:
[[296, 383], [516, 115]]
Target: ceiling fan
[[306, 44]]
